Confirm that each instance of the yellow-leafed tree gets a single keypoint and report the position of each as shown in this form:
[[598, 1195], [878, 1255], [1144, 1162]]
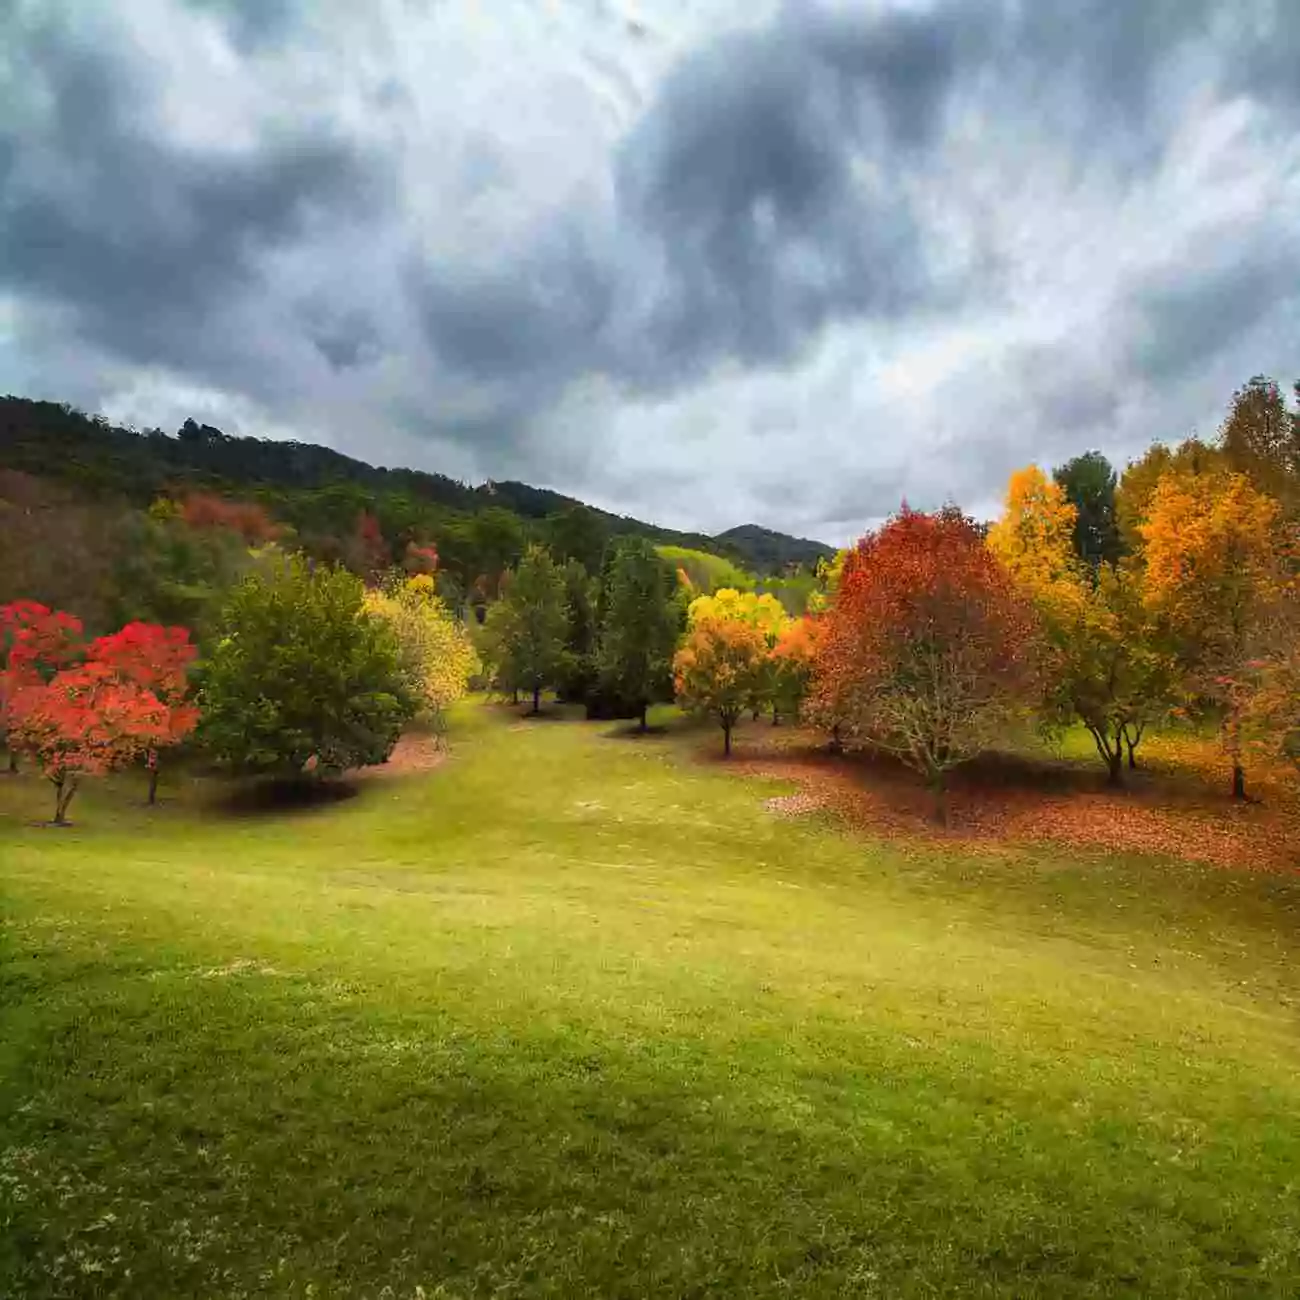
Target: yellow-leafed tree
[[1100, 657], [436, 654]]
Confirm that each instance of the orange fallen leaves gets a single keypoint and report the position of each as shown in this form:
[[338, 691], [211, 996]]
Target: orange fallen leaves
[[1173, 805]]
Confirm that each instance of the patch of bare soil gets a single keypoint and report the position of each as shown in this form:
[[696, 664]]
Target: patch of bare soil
[[414, 752], [1168, 808]]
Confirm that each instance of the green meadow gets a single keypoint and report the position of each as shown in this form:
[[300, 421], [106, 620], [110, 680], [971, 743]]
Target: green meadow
[[573, 1014]]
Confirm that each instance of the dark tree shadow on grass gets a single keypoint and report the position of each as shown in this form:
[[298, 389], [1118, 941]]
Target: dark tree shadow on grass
[[276, 796]]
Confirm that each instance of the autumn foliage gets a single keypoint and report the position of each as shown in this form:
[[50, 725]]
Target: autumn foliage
[[792, 659], [719, 669], [86, 721], [1100, 658], [1218, 564], [82, 710], [202, 510], [156, 660], [927, 651], [35, 643]]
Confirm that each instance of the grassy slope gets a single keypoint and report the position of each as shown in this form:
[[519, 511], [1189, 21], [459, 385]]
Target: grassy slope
[[572, 1016]]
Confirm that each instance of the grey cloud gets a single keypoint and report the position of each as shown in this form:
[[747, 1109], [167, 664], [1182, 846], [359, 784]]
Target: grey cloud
[[742, 181], [253, 24], [778, 187], [146, 242], [740, 225], [1183, 321]]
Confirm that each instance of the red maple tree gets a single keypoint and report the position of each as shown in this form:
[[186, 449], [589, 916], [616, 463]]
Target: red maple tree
[[36, 642], [202, 510], [85, 721], [157, 660], [421, 558], [928, 649]]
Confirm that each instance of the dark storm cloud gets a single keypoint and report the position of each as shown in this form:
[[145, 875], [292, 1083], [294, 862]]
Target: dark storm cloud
[[252, 24], [741, 222], [881, 175], [741, 181], [1184, 321], [144, 241]]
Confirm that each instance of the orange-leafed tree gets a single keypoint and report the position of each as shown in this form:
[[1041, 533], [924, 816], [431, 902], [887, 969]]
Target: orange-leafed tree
[[791, 664], [35, 643], [85, 721], [928, 651], [1218, 572], [719, 669], [157, 660]]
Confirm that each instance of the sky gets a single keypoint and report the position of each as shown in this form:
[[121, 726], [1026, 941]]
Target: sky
[[704, 262]]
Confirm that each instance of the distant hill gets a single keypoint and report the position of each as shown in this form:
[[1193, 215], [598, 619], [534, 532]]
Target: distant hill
[[771, 552], [55, 441]]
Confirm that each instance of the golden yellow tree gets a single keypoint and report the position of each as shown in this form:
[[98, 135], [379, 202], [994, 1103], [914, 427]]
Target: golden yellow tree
[[1099, 655], [719, 669], [436, 654], [1034, 538], [1217, 572], [764, 614]]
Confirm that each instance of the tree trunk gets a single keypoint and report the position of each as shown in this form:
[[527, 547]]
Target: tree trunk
[[1132, 739], [837, 741], [939, 788], [726, 740], [776, 716], [645, 708], [1234, 750], [153, 782], [64, 788], [13, 761], [756, 712], [515, 696], [1111, 755], [537, 700]]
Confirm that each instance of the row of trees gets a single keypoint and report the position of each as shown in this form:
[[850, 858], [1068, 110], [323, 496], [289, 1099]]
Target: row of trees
[[607, 640], [1113, 602], [309, 672], [117, 524]]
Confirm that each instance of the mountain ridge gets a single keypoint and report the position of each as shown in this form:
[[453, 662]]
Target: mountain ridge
[[56, 440]]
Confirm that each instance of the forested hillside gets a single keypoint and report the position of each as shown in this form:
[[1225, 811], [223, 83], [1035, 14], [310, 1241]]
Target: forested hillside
[[322, 494]]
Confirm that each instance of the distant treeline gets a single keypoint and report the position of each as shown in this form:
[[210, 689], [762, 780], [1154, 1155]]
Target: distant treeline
[[326, 498]]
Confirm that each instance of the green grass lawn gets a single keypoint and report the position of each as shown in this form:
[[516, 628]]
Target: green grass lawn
[[574, 1016]]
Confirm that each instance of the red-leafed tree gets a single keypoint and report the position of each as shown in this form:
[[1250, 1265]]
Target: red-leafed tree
[[85, 721], [367, 552], [156, 659], [35, 643], [927, 651], [421, 558], [202, 510]]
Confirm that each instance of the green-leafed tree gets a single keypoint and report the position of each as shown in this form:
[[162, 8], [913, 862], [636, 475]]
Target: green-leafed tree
[[640, 625], [174, 573], [581, 640], [576, 533], [1259, 440], [535, 623], [301, 677], [1089, 484]]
